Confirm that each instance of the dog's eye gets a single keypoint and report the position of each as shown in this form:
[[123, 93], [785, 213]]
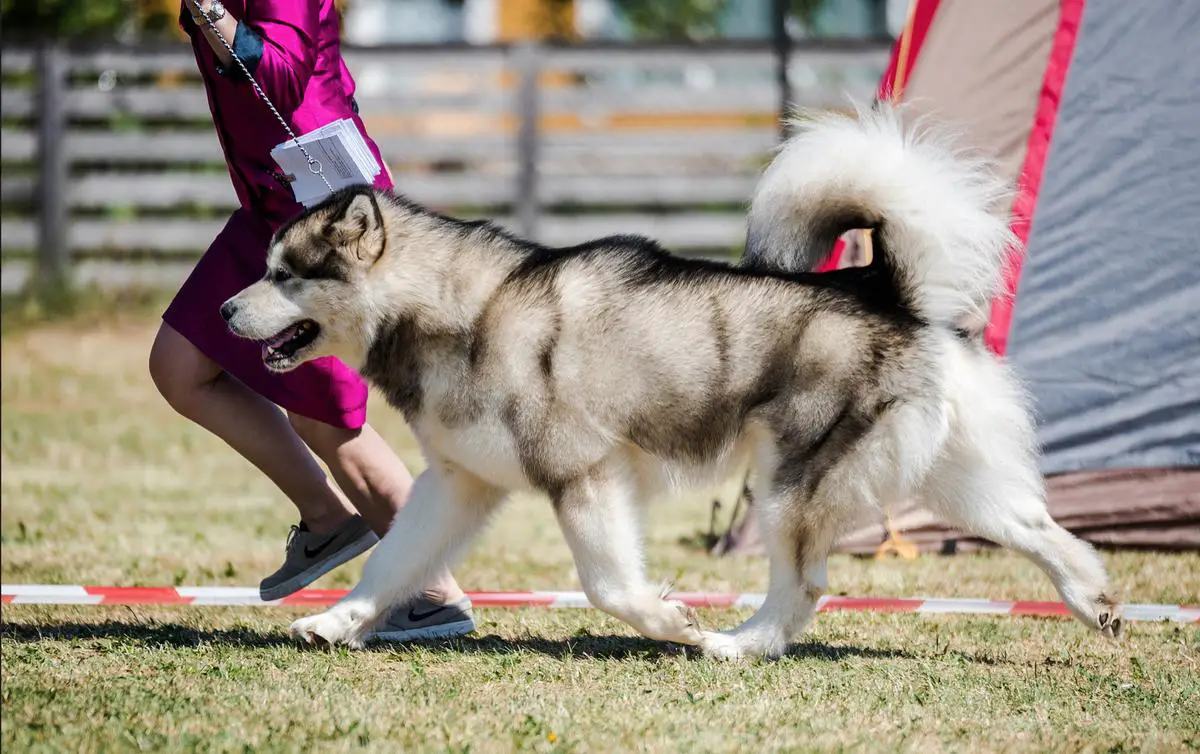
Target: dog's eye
[[280, 275]]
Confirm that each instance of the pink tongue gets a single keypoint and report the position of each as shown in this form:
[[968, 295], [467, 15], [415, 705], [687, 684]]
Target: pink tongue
[[282, 337]]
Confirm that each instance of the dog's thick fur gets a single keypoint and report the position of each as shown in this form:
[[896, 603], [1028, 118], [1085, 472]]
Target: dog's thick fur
[[607, 374]]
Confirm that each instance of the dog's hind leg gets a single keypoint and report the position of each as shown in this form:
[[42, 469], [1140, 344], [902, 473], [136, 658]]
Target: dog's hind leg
[[600, 519], [796, 533], [810, 495], [445, 511], [995, 492], [987, 482], [797, 547]]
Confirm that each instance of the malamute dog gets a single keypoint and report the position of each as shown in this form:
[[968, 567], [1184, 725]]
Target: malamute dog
[[607, 374]]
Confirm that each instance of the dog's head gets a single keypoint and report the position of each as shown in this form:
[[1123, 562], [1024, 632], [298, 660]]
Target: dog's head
[[313, 300]]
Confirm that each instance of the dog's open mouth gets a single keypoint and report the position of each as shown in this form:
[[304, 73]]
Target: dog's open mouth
[[281, 347]]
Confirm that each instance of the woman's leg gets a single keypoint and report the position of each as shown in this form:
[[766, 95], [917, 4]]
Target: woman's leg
[[197, 388], [373, 478]]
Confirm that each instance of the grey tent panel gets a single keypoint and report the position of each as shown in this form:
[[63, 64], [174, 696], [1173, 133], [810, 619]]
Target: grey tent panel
[[1106, 323]]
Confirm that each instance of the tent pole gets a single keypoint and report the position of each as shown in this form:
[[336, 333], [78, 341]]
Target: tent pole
[[894, 541], [902, 57]]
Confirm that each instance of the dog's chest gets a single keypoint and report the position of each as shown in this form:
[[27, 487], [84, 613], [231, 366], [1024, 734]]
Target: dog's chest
[[483, 447]]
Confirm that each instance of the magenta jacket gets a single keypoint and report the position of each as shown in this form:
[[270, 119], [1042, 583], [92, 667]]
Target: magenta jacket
[[292, 49]]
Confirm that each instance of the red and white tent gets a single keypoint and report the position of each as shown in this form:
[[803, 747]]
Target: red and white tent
[[1093, 108]]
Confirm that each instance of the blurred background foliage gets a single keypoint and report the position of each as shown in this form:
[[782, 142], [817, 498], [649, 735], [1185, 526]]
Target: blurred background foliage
[[125, 20], [135, 20], [104, 19], [700, 19]]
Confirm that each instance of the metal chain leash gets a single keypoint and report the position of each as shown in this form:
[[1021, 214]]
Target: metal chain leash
[[314, 165]]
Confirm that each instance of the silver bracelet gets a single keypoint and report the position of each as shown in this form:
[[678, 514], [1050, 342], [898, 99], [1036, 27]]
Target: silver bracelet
[[214, 13]]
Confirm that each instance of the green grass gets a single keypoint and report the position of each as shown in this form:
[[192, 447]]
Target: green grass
[[102, 484], [42, 304]]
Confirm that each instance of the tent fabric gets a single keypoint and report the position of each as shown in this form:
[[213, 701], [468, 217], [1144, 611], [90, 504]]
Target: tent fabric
[[1105, 328], [1038, 146], [1158, 508], [1097, 503], [921, 15], [1105, 321], [1004, 44]]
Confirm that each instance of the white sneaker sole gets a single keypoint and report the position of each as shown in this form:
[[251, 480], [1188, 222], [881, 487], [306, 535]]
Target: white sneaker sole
[[440, 631], [319, 569]]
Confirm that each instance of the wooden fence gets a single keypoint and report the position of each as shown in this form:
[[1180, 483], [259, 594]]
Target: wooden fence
[[113, 173]]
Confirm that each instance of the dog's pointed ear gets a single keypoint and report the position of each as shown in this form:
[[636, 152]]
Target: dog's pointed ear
[[358, 229]]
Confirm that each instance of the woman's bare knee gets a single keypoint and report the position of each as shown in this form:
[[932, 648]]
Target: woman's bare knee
[[179, 370], [323, 439]]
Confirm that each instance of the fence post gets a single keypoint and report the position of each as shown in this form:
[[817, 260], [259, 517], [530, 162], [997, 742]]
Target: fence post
[[525, 59], [782, 43], [53, 252]]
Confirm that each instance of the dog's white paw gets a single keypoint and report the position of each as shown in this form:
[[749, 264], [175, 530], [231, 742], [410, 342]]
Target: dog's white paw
[[690, 621], [721, 646], [1097, 610], [684, 623], [1110, 617], [329, 628]]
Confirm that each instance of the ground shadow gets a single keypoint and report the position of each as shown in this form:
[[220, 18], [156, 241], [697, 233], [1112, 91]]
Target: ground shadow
[[148, 634], [585, 645], [626, 647]]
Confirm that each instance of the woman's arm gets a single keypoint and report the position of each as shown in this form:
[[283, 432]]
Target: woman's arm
[[226, 25], [277, 42]]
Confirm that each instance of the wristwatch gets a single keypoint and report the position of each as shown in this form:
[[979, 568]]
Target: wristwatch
[[214, 12]]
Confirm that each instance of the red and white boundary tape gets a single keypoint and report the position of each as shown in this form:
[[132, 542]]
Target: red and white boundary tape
[[39, 594]]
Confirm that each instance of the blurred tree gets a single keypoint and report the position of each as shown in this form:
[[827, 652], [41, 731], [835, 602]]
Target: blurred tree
[[698, 19], [156, 16], [806, 11], [25, 19], [672, 19]]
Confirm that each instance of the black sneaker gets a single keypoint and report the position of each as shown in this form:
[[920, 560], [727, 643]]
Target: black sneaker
[[310, 556], [421, 619]]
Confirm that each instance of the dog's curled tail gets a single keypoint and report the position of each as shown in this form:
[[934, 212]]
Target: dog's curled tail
[[939, 219]]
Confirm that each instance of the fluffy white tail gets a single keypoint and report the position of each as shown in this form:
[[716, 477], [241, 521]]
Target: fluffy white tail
[[939, 219]]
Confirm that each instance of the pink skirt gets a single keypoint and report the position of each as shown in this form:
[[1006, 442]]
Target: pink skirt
[[323, 389]]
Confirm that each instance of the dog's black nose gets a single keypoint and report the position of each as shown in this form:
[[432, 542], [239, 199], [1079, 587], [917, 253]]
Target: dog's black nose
[[226, 311]]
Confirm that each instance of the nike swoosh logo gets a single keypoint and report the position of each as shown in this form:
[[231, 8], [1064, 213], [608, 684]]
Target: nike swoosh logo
[[318, 550], [416, 617]]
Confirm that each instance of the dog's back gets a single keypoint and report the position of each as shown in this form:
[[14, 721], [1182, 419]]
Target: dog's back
[[582, 351]]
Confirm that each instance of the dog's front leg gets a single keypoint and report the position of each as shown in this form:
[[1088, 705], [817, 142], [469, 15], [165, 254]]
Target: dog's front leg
[[446, 509], [599, 518]]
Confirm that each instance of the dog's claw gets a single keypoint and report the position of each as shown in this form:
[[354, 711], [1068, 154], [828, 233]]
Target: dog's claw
[[1111, 625], [1110, 620]]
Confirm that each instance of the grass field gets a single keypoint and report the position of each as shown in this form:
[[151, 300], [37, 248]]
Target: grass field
[[102, 484]]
